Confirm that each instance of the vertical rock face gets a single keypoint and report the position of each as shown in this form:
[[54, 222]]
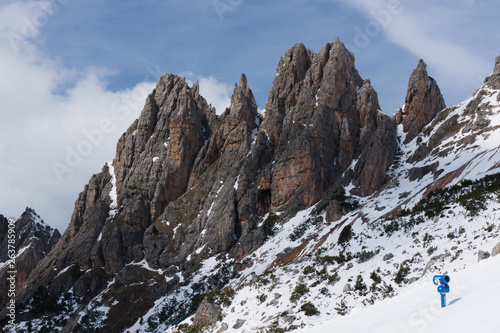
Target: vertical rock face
[[423, 101], [206, 219], [320, 117], [33, 241], [186, 184], [153, 164], [155, 155], [377, 141]]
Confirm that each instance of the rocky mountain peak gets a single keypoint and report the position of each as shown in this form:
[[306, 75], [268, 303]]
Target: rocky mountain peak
[[423, 101], [243, 105], [158, 150], [243, 81], [30, 228], [34, 240], [493, 81], [317, 115], [497, 65]]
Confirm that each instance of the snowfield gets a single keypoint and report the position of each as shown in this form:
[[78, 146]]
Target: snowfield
[[472, 307]]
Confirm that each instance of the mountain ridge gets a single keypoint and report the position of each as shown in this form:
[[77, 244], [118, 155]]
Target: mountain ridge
[[188, 186]]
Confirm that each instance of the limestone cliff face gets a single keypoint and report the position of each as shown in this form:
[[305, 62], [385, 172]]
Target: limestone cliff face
[[423, 101], [208, 219], [320, 117], [153, 164], [187, 185]]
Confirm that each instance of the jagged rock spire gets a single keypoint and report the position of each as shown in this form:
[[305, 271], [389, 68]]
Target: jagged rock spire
[[423, 101], [493, 81], [243, 81], [318, 114], [497, 66]]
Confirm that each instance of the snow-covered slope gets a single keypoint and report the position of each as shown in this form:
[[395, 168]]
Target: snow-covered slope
[[472, 307], [268, 296]]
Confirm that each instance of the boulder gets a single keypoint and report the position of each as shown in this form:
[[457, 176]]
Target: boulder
[[239, 323], [496, 250], [334, 211], [224, 327], [433, 261], [388, 256], [493, 81], [206, 314], [481, 255]]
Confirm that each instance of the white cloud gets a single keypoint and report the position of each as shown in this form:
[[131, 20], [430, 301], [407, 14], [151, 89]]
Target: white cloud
[[60, 125], [52, 138], [216, 93], [435, 31]]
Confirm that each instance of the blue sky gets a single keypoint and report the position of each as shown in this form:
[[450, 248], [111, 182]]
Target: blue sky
[[67, 65], [223, 38]]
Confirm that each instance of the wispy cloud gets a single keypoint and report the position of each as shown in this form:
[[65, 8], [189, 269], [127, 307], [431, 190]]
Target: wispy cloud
[[60, 124], [435, 31], [216, 93], [47, 111]]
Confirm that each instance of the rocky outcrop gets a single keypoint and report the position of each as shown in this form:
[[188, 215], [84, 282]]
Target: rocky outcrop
[[152, 168], [495, 250], [187, 185], [169, 198], [378, 144], [320, 117], [447, 124], [76, 244], [334, 211], [418, 173], [423, 101], [481, 255], [211, 206], [207, 313], [33, 241], [493, 81], [153, 165]]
